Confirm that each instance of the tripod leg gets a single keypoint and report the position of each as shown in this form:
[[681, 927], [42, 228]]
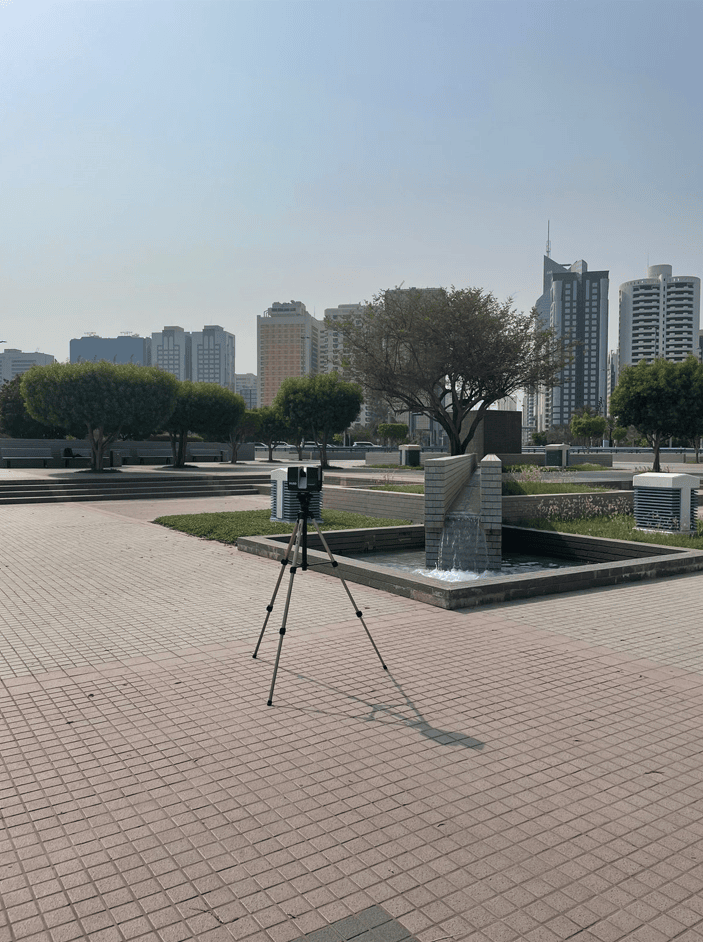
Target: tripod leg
[[282, 631], [269, 607], [346, 589]]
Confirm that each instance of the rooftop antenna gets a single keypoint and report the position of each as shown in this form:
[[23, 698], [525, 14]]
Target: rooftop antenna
[[549, 244]]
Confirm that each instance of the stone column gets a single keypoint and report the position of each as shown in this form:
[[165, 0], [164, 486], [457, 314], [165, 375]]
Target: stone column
[[492, 508]]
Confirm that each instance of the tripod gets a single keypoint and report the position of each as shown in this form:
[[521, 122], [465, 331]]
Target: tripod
[[299, 544]]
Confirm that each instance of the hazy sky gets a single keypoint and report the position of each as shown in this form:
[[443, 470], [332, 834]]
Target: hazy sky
[[192, 162]]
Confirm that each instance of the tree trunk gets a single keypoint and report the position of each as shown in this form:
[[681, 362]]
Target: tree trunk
[[179, 441], [656, 466]]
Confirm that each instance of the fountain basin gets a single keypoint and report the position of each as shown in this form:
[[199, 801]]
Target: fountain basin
[[603, 563]]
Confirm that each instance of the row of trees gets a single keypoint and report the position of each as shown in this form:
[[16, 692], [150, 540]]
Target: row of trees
[[652, 403], [662, 400], [101, 402]]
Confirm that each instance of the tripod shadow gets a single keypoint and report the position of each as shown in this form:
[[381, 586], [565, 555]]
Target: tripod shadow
[[442, 737], [384, 711]]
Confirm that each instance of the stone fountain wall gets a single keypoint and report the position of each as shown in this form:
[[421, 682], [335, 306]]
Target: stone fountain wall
[[445, 479], [463, 511]]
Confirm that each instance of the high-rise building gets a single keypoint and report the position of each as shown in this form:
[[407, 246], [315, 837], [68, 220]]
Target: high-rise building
[[574, 303], [659, 316], [171, 351], [127, 348], [288, 344], [332, 338], [15, 362], [247, 387], [212, 356]]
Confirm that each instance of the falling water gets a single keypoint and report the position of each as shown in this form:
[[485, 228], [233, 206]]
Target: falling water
[[463, 544]]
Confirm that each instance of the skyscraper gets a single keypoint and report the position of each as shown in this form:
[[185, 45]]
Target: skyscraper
[[127, 348], [288, 344], [171, 350], [574, 303], [659, 316], [212, 356]]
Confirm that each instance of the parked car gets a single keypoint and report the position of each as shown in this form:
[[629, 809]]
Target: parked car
[[364, 445], [310, 445]]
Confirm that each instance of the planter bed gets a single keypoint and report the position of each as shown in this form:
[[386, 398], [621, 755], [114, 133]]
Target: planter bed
[[605, 563]]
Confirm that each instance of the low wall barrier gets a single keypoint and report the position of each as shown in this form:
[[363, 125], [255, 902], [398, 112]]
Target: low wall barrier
[[375, 503]]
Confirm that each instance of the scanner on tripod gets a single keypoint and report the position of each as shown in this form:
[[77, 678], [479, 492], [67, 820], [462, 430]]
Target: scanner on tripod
[[304, 481]]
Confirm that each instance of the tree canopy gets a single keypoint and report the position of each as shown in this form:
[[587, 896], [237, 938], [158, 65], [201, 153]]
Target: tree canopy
[[393, 431], [201, 407], [15, 421], [662, 400], [447, 352], [272, 426], [588, 426], [99, 399], [225, 418], [323, 404]]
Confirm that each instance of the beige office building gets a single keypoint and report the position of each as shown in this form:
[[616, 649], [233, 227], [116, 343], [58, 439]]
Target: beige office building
[[288, 344]]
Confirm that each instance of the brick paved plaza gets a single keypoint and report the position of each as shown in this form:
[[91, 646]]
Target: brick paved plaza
[[529, 771]]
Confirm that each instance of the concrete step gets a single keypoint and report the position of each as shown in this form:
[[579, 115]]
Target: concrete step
[[156, 488]]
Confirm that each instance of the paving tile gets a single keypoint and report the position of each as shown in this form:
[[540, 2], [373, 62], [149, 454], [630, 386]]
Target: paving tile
[[540, 781]]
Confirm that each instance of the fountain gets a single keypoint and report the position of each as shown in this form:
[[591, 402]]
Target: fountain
[[463, 529], [463, 505]]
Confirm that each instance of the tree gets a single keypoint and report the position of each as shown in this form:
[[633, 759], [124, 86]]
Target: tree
[[247, 428], [225, 418], [201, 407], [99, 399], [323, 403], [447, 352], [15, 421], [587, 426], [393, 432], [272, 426], [690, 428], [539, 438], [661, 399]]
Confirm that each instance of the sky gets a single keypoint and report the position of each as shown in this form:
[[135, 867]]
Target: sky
[[192, 162]]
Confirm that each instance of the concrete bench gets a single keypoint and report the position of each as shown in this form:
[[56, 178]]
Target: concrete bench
[[152, 457], [205, 453], [29, 456], [81, 458]]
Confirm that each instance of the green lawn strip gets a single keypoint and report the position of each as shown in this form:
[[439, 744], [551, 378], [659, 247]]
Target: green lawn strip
[[549, 487], [618, 527], [400, 488], [544, 469], [509, 488], [228, 526]]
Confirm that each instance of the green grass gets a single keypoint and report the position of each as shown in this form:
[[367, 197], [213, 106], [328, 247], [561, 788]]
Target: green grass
[[548, 487], [509, 488], [227, 527], [544, 469], [400, 488], [394, 467], [618, 527]]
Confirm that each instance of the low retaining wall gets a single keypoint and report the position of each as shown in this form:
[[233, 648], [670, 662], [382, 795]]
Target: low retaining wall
[[516, 509], [360, 500], [380, 458], [521, 507], [575, 459]]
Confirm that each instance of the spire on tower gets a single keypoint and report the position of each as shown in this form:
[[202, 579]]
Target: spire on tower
[[549, 244]]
